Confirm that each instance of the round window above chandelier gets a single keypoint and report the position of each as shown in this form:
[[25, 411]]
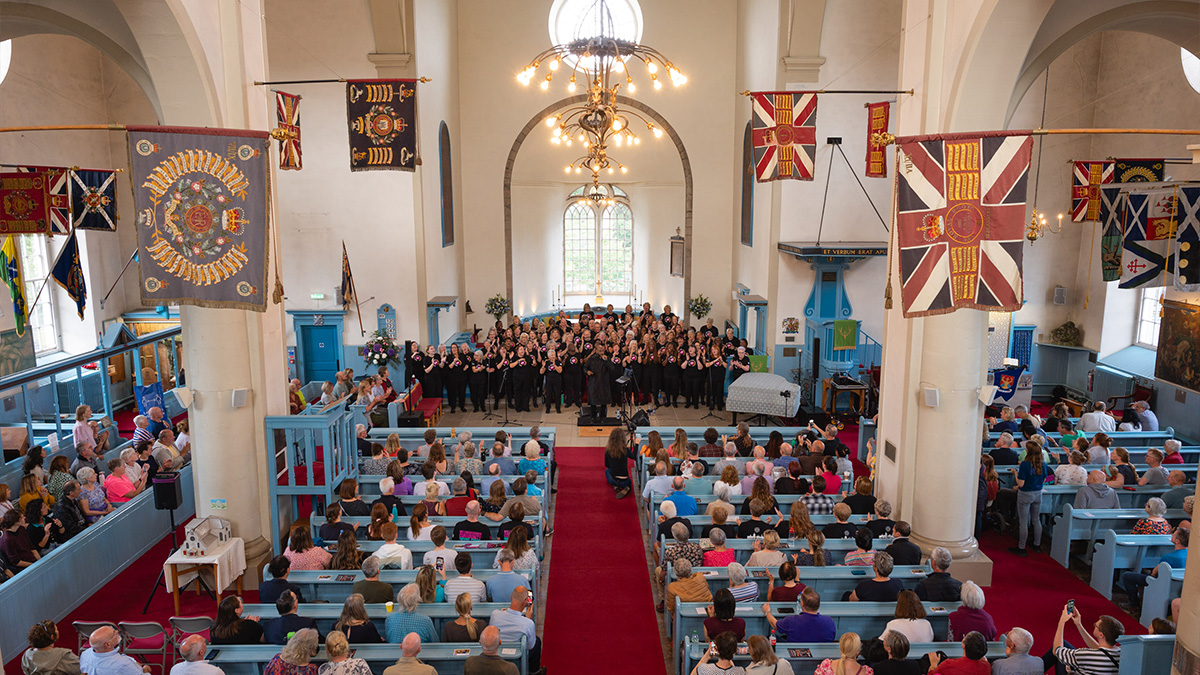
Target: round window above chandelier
[[572, 20]]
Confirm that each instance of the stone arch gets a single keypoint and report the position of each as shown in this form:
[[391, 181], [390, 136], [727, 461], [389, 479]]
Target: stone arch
[[659, 120]]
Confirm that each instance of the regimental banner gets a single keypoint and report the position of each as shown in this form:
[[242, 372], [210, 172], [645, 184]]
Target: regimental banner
[[1112, 215], [961, 221], [1139, 170], [1006, 382], [23, 203], [1085, 189], [10, 274], [349, 295], [381, 115], [1187, 240], [1150, 221], [877, 123], [784, 132], [94, 200], [287, 114], [68, 273], [58, 197], [201, 201]]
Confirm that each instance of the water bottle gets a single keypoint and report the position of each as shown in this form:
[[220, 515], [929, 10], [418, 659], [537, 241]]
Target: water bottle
[[395, 514], [772, 639]]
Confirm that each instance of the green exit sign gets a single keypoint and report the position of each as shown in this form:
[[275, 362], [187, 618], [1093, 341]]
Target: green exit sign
[[317, 296]]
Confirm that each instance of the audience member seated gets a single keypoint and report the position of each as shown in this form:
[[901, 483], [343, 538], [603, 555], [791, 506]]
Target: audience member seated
[[231, 628], [419, 527], [766, 551], [718, 555], [720, 521], [740, 586], [270, 589], [489, 662], [495, 501], [833, 482], [1101, 656], [895, 645], [440, 557], [728, 478], [721, 617], [791, 588], [166, 454], [939, 586], [337, 648], [276, 631], [972, 662], [1171, 454], [192, 649], [1096, 494], [1072, 473], [39, 528], [1097, 420], [471, 528], [763, 660], [685, 504], [1155, 523], [814, 554], [524, 557], [910, 618], [457, 505], [333, 527], [818, 503], [351, 502], [903, 551], [303, 554], [515, 622], [722, 663], [296, 656], [756, 525], [104, 657], [849, 645], [790, 483], [863, 554], [1003, 452], [15, 544], [1007, 421], [517, 519], [68, 512], [431, 588], [971, 615], [688, 586], [882, 588], [502, 585], [465, 628], [354, 624], [371, 588], [882, 524], [842, 529], [31, 488], [377, 463], [464, 582], [862, 502], [406, 619], [1155, 474], [807, 626], [43, 658], [1135, 581], [92, 500], [1017, 659], [500, 459], [721, 503], [1179, 491]]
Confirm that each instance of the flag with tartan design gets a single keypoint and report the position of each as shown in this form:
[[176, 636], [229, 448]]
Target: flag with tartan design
[[1149, 235], [1112, 216], [1187, 240]]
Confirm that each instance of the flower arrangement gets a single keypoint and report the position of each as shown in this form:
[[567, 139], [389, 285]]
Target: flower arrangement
[[497, 306], [700, 306], [381, 350]]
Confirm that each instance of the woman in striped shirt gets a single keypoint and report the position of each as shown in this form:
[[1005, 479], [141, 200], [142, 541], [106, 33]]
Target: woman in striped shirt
[[742, 589], [864, 555]]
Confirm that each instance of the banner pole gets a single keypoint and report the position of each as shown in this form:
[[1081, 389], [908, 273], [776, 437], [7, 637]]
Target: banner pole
[[115, 281]]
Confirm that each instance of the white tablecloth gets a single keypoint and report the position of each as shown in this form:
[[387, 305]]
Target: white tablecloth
[[758, 393], [229, 559]]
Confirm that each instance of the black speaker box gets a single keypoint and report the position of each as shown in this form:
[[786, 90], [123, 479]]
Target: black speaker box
[[585, 421], [168, 491], [410, 418]]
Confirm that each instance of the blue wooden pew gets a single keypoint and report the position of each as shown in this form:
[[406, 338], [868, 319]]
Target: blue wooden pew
[[1142, 654], [692, 652], [1084, 524], [1159, 592], [334, 585], [447, 658], [743, 548], [326, 614], [1120, 552], [447, 522], [864, 618], [830, 582]]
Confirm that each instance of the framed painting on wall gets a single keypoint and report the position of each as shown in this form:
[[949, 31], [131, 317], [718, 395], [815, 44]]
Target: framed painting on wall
[[1178, 360]]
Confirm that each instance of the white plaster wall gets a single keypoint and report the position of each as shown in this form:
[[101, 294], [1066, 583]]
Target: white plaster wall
[[325, 203], [56, 79]]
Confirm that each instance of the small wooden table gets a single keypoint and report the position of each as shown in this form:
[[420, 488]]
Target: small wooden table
[[227, 561], [829, 402]]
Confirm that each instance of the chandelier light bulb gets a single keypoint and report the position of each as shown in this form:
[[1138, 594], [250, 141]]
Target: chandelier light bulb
[[582, 136], [545, 85], [610, 170], [637, 141], [616, 125], [586, 144], [624, 169], [567, 169], [657, 132], [554, 64], [657, 85], [571, 86], [619, 66], [617, 140], [631, 86], [550, 121], [650, 67], [578, 169]]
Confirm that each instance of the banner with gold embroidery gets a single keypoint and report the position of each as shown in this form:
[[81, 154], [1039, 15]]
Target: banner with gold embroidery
[[784, 134], [201, 201], [381, 115], [877, 123], [1085, 189]]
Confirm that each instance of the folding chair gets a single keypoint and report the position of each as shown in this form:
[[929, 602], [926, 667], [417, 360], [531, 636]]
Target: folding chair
[[145, 638], [183, 627], [84, 629]]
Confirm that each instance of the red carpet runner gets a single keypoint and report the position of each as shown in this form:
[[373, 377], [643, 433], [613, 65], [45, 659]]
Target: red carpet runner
[[599, 596]]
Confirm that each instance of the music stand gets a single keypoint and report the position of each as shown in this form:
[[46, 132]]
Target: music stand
[[491, 414], [506, 422]]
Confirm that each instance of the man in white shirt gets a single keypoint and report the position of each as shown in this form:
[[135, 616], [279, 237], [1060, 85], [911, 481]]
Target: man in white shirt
[[430, 474], [1097, 420], [660, 484], [441, 558], [1146, 416], [193, 650], [464, 582], [102, 658]]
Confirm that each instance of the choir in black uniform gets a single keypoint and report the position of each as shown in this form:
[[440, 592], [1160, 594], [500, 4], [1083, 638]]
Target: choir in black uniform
[[564, 361]]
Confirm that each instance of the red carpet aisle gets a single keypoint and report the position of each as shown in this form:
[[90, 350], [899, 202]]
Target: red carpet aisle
[[599, 603], [1030, 593], [122, 599]]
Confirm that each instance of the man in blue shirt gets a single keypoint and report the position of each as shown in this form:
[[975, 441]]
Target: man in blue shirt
[[279, 631], [685, 504], [807, 626], [1003, 453], [270, 589], [102, 658], [1134, 582], [406, 619], [515, 622]]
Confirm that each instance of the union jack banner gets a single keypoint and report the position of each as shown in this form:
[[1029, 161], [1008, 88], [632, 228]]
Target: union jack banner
[[877, 123], [1085, 189], [287, 114], [1112, 215], [58, 197], [1187, 240], [1150, 219], [960, 221], [784, 130]]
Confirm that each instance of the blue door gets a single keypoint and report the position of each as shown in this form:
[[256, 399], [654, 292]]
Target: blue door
[[320, 353]]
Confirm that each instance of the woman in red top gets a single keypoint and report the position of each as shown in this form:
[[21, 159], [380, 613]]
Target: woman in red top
[[790, 590], [1155, 524]]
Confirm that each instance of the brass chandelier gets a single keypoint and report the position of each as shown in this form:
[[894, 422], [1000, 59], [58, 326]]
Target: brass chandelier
[[598, 61]]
